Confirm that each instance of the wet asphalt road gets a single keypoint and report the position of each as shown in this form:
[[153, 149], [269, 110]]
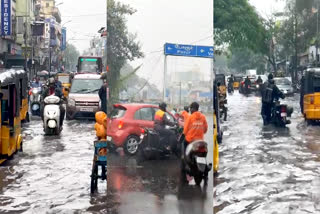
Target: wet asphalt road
[[267, 169], [52, 175], [154, 186]]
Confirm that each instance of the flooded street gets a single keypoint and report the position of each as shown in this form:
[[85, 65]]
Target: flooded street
[[155, 187], [52, 175], [267, 169]]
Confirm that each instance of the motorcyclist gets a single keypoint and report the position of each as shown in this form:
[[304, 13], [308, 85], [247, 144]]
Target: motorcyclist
[[185, 113], [160, 121], [230, 82], [57, 82], [36, 83], [259, 80], [247, 83], [302, 93], [53, 89], [196, 126], [270, 92]]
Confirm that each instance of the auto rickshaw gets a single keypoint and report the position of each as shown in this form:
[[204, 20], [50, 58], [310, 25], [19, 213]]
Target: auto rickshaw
[[217, 134], [65, 79], [221, 78], [310, 94], [23, 87], [10, 117], [237, 81]]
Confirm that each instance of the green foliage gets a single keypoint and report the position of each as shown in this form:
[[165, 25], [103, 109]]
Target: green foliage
[[121, 45], [237, 24], [71, 55]]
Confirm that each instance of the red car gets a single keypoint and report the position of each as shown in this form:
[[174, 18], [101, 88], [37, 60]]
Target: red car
[[125, 122]]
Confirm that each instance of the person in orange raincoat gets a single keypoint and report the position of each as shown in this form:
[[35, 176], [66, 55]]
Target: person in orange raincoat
[[185, 113], [196, 125]]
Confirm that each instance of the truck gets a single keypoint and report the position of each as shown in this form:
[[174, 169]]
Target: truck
[[251, 72]]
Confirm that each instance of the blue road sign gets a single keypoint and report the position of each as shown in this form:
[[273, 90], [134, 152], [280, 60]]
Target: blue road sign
[[188, 50]]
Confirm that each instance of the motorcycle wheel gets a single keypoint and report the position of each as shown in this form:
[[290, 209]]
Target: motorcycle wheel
[[94, 178], [198, 179]]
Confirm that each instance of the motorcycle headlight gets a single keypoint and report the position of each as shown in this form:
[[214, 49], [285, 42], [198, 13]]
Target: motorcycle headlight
[[71, 102], [35, 91]]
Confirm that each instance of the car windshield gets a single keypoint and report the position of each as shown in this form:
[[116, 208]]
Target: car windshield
[[86, 86], [64, 79], [282, 81]]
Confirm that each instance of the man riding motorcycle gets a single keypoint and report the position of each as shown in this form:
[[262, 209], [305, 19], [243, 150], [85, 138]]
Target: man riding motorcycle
[[160, 122], [53, 89], [247, 84], [185, 113], [270, 92], [230, 83], [196, 126]]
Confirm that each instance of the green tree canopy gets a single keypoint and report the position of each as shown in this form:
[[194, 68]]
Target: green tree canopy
[[122, 45], [71, 55]]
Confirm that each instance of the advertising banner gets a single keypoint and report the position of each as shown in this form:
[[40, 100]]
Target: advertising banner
[[6, 18]]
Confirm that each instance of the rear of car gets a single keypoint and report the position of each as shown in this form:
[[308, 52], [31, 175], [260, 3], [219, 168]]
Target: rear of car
[[125, 123], [83, 100], [284, 85]]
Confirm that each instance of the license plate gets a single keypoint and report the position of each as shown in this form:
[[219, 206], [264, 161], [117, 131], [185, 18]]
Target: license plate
[[201, 160], [109, 138], [86, 109], [283, 114]]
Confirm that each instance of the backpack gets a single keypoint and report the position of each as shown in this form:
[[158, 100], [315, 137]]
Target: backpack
[[267, 93]]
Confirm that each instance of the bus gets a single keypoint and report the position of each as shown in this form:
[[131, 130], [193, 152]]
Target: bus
[[89, 64]]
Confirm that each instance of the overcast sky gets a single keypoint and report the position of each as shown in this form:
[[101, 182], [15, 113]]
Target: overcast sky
[[266, 7], [86, 18], [175, 21]]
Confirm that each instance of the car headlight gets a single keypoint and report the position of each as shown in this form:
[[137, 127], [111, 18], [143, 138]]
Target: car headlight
[[71, 102]]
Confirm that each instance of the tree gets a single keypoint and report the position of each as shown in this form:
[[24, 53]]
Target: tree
[[71, 55], [121, 46], [237, 24]]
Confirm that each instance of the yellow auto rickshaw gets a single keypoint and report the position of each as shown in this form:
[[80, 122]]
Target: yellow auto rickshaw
[[65, 79], [10, 117], [221, 78], [23, 93], [310, 94], [237, 81]]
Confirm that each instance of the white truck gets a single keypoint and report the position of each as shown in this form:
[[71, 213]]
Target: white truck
[[251, 72]]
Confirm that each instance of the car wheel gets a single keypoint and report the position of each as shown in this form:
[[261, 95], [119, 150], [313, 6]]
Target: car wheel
[[131, 145]]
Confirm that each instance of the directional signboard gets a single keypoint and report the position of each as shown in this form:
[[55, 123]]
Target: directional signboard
[[188, 50]]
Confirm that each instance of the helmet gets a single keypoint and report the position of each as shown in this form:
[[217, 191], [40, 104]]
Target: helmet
[[51, 81], [270, 76], [163, 105]]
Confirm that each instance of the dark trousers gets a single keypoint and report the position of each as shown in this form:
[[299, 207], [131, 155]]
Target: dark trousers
[[169, 135], [104, 106], [266, 112]]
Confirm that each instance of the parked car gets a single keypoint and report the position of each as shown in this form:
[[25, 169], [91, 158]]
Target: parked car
[[83, 100], [125, 122], [284, 85]]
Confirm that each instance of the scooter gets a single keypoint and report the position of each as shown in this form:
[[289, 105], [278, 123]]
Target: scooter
[[153, 146], [51, 115], [194, 161], [280, 113], [230, 88], [35, 99]]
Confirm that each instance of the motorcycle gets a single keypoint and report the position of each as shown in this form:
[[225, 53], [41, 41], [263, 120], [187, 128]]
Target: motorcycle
[[280, 113], [194, 162], [35, 101], [230, 88], [153, 146], [51, 115]]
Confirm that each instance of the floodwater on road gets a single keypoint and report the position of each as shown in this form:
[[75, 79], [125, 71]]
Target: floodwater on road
[[267, 169], [52, 175], [155, 187]]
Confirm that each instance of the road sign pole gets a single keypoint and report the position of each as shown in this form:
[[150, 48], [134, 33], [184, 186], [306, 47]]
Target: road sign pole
[[164, 78]]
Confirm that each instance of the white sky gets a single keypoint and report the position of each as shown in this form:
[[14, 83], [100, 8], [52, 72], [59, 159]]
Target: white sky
[[82, 28], [175, 21], [266, 7]]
